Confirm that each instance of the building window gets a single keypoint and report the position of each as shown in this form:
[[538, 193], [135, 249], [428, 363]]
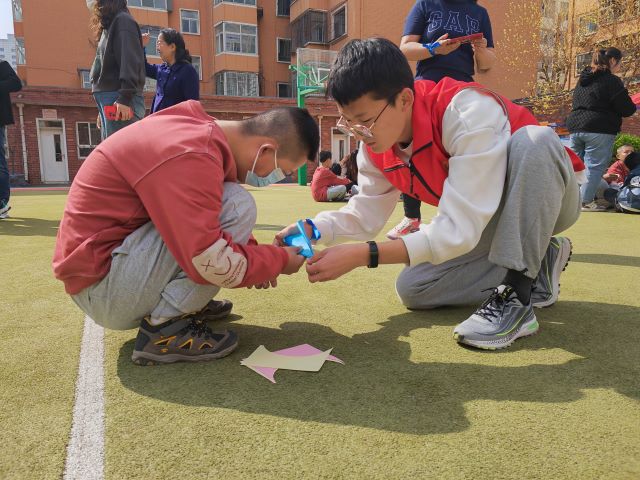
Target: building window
[[582, 61], [190, 21], [17, 10], [21, 54], [237, 84], [284, 50], [157, 4], [196, 61], [85, 79], [236, 38], [339, 22], [241, 2], [154, 32], [310, 27], [284, 90], [587, 24], [88, 137], [283, 8]]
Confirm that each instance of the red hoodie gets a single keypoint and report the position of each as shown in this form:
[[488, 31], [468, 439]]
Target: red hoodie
[[169, 169], [323, 178]]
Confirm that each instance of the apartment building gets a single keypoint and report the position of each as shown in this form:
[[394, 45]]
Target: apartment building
[[240, 47], [600, 24], [8, 51]]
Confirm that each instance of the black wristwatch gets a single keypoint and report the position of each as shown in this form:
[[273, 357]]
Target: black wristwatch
[[373, 254]]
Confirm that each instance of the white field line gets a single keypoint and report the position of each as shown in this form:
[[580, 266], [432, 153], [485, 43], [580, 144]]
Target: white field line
[[85, 452]]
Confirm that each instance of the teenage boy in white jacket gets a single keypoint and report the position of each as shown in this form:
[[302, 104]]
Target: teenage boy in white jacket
[[503, 186]]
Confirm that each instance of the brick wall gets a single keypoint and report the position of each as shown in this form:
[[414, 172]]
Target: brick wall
[[77, 105]]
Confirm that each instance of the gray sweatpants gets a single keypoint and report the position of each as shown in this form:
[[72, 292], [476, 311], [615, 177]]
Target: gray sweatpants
[[541, 198], [145, 278]]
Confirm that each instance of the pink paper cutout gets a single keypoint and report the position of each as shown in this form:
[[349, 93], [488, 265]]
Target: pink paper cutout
[[298, 351]]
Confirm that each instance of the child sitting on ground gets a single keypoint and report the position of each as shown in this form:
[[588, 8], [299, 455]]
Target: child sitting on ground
[[630, 165], [326, 186]]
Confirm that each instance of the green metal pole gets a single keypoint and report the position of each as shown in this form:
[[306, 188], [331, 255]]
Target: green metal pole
[[302, 171]]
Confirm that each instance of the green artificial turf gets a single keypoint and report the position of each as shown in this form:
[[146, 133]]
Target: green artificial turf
[[408, 403], [40, 332]]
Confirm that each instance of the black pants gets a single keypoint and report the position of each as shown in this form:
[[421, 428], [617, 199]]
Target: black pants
[[411, 206]]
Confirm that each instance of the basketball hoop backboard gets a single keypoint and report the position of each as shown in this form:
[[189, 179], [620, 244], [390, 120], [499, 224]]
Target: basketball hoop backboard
[[312, 70]]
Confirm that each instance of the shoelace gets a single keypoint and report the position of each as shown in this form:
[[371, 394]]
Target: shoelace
[[490, 311], [200, 328]]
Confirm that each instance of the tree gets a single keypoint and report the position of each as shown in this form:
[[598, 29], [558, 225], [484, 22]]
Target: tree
[[561, 36]]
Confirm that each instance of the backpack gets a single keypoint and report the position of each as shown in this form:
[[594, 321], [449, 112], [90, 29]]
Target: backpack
[[628, 199]]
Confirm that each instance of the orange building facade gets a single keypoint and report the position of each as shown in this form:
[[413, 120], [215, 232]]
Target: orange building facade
[[242, 48]]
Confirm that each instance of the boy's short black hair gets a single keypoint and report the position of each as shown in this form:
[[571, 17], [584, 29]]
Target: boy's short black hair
[[632, 160], [375, 66], [324, 156], [294, 129]]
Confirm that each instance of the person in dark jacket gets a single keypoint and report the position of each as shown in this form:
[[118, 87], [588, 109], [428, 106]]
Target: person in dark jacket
[[600, 100], [177, 79], [9, 82], [117, 74]]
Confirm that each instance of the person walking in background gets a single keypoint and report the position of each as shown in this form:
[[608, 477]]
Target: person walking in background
[[117, 74], [9, 82], [441, 21], [177, 79], [600, 100]]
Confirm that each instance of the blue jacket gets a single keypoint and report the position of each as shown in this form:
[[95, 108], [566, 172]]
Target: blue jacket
[[175, 84]]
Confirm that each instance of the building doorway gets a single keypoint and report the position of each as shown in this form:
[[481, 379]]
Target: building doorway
[[340, 145], [52, 144]]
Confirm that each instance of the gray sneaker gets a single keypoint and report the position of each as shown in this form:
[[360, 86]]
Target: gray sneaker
[[500, 320], [546, 286], [593, 207], [181, 339]]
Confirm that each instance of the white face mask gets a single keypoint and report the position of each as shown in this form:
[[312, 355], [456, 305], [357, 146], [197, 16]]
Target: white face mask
[[90, 4], [275, 176]]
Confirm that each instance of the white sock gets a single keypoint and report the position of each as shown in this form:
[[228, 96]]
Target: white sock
[[158, 321]]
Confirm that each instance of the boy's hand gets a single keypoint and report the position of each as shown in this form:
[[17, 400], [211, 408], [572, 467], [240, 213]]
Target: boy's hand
[[333, 262], [446, 46], [294, 262], [290, 230], [610, 177]]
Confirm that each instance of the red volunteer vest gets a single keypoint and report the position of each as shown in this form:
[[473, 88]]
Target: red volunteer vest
[[423, 177]]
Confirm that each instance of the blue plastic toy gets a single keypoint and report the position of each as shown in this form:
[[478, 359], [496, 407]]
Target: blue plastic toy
[[301, 240]]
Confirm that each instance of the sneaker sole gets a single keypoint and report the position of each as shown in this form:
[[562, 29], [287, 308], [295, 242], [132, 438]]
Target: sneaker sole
[[149, 359], [392, 236], [527, 329], [562, 261]]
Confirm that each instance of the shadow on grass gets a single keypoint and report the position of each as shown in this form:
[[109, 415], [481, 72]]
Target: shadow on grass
[[26, 227], [603, 259], [380, 387]]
